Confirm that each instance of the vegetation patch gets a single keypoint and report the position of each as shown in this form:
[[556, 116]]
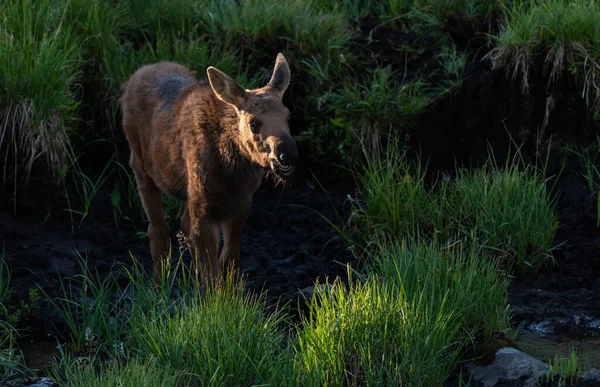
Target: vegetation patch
[[408, 322], [559, 37], [508, 209], [40, 59]]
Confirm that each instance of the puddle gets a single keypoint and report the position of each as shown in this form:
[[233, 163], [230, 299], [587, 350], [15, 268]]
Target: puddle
[[547, 346], [39, 354]]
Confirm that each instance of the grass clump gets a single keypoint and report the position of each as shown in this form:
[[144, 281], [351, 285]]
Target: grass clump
[[561, 35], [395, 198], [564, 370], [132, 373], [373, 334], [11, 359], [508, 209], [460, 276], [407, 323], [378, 105], [216, 336], [40, 59], [221, 338]]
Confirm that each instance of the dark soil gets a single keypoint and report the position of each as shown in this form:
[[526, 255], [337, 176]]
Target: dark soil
[[286, 246], [565, 298]]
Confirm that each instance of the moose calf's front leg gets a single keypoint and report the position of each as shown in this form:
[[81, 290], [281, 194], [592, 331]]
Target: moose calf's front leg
[[232, 231]]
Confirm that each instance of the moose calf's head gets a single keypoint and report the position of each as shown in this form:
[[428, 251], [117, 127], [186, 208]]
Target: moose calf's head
[[263, 119]]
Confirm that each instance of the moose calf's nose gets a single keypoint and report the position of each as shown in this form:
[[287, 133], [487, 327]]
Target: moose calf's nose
[[288, 154]]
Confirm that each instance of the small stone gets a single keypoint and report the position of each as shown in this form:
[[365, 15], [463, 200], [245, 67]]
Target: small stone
[[588, 379], [511, 367]]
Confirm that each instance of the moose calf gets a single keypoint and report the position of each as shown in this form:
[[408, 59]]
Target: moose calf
[[208, 143]]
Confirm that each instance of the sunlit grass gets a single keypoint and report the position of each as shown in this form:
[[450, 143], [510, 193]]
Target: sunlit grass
[[220, 335], [408, 323]]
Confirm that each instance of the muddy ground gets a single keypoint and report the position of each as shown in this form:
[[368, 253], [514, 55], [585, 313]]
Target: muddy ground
[[286, 245]]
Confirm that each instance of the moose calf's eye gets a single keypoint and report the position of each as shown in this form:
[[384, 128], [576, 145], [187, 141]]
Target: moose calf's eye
[[254, 126]]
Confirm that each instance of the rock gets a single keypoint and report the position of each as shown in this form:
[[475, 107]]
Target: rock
[[308, 292], [511, 367], [303, 297], [43, 382], [35, 382], [588, 379]]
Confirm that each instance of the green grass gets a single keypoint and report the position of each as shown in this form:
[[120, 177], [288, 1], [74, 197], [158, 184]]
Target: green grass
[[377, 105], [408, 323], [589, 160], [459, 276], [564, 370], [217, 336], [469, 8], [11, 358], [561, 35], [95, 320], [509, 209], [40, 60], [135, 372]]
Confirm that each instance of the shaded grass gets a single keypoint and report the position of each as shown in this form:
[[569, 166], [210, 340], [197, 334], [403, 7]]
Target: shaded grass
[[379, 104], [508, 209], [11, 359], [135, 372], [589, 160], [560, 35], [564, 370], [40, 59]]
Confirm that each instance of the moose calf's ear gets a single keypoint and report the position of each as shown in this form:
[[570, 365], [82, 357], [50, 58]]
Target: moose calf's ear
[[280, 79], [226, 88]]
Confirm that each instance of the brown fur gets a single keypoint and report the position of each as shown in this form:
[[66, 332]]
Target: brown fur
[[193, 139]]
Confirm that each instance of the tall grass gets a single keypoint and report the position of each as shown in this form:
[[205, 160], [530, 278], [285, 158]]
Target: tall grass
[[437, 272], [509, 209], [93, 317], [395, 198]]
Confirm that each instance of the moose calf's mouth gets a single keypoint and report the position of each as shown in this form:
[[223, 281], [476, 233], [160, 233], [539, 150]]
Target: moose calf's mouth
[[281, 170]]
